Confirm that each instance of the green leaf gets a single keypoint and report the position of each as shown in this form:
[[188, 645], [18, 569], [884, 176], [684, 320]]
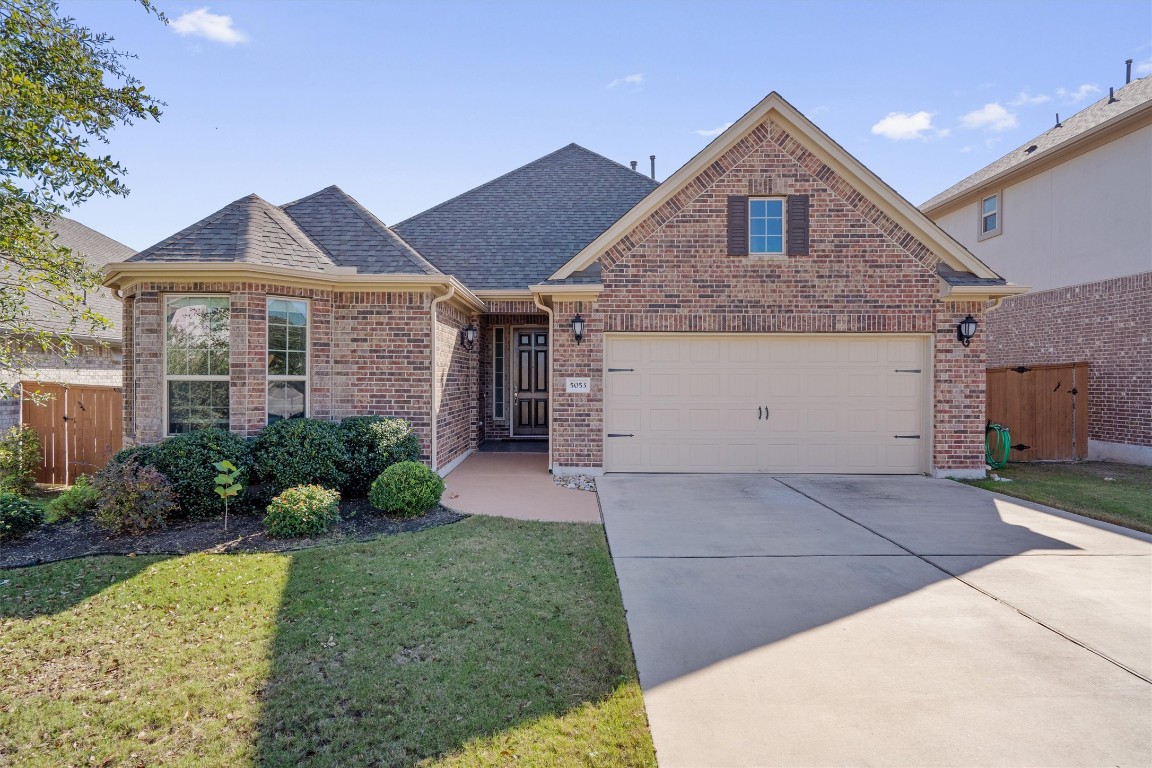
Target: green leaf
[[224, 479]]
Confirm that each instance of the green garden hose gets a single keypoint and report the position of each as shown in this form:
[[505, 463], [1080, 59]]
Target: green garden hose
[[997, 444]]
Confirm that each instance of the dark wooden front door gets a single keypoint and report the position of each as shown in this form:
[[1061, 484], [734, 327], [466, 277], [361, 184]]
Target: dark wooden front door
[[530, 390]]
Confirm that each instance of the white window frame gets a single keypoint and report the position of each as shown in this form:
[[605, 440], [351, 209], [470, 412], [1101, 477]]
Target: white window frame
[[783, 228], [184, 377], [981, 216], [502, 345], [307, 377]]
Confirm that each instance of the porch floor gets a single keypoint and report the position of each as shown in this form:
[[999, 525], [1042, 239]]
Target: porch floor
[[516, 485], [514, 446]]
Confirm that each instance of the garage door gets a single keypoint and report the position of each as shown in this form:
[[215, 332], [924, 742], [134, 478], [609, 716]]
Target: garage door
[[830, 403]]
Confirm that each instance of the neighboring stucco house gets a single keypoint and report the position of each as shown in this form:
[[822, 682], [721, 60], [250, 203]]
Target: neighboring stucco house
[[1070, 214], [98, 356], [771, 307]]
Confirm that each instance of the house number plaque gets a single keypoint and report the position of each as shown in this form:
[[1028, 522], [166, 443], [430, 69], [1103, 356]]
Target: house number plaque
[[581, 386]]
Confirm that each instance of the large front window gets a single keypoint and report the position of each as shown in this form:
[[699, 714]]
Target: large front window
[[287, 359], [196, 362]]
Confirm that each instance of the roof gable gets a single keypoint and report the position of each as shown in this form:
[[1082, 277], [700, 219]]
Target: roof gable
[[517, 229], [1133, 98], [699, 173], [351, 236], [250, 231]]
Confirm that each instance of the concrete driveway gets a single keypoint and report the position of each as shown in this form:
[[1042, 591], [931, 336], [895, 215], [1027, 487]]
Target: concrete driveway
[[895, 621]]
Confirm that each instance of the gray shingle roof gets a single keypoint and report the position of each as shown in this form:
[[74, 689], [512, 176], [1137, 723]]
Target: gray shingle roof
[[954, 277], [250, 231], [1129, 97], [97, 250], [518, 229], [351, 236]]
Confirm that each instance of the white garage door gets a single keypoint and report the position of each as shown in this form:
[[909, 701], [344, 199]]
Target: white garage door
[[728, 403]]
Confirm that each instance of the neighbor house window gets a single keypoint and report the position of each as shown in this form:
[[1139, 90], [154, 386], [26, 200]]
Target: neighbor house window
[[990, 217], [196, 362], [498, 373], [287, 359], [766, 226]]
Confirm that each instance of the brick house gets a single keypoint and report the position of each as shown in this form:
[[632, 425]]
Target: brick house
[[772, 306], [1092, 286], [98, 355]]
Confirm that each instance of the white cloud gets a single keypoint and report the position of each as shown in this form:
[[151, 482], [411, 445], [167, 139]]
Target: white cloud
[[636, 79], [1026, 99], [966, 149], [1143, 68], [212, 26], [1078, 95], [714, 131], [991, 116], [901, 126]]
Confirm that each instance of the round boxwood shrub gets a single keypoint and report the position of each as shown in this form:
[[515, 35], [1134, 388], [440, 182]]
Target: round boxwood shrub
[[186, 460], [295, 452], [305, 510], [406, 489], [375, 443], [73, 503], [18, 516]]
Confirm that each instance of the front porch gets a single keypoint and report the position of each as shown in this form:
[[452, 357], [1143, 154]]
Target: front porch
[[516, 484]]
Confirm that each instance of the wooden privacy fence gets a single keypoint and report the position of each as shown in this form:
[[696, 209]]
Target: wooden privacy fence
[[1044, 407], [80, 427]]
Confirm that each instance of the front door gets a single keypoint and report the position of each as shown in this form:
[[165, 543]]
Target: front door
[[530, 389]]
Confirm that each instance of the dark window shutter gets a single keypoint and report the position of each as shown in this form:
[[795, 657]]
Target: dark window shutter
[[797, 225], [737, 225]]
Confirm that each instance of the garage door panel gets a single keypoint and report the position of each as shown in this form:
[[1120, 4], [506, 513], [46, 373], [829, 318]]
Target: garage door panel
[[830, 403]]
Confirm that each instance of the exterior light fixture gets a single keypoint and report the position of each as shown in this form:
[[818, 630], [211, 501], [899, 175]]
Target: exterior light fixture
[[966, 329], [468, 336], [578, 327]]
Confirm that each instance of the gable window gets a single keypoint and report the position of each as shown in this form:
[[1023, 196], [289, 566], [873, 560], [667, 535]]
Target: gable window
[[990, 217], [287, 359], [766, 226], [196, 362]]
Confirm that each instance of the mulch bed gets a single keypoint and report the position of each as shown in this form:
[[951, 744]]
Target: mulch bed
[[82, 538]]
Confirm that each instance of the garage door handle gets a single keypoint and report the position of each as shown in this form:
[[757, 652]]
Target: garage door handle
[[760, 411], [617, 434], [907, 437]]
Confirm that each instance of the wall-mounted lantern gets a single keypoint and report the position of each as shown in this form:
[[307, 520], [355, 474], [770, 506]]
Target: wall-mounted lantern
[[468, 336], [578, 327], [966, 329]]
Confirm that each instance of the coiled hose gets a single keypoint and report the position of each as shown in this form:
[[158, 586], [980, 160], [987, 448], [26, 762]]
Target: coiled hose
[[997, 444]]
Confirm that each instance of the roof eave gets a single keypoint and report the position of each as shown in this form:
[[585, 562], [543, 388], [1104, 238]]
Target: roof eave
[[949, 292], [123, 275]]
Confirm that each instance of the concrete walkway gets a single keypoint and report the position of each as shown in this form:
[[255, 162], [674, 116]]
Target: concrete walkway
[[896, 621], [516, 485]]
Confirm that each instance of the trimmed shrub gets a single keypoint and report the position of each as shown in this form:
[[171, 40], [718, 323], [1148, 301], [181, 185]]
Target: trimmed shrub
[[76, 501], [19, 457], [375, 443], [141, 453], [17, 516], [187, 459], [296, 452], [406, 489], [133, 498], [302, 511]]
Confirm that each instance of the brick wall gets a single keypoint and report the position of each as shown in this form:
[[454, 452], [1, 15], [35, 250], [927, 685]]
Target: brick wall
[[457, 407], [491, 427], [1106, 324], [864, 274], [370, 354]]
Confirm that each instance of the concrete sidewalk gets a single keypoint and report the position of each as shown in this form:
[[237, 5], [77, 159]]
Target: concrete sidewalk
[[516, 485], [896, 621]]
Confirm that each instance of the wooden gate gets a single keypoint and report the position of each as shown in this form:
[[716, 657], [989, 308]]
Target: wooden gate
[[1044, 407], [80, 427]]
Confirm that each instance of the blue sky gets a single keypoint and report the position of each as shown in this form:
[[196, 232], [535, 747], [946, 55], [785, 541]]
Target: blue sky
[[406, 104]]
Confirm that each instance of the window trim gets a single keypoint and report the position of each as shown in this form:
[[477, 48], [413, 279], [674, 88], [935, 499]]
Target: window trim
[[167, 423], [307, 377], [502, 343], [783, 252], [980, 216]]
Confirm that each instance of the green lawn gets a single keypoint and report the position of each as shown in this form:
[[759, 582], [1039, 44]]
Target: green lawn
[[1115, 493], [487, 642]]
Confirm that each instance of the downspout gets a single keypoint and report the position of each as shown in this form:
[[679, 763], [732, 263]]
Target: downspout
[[435, 379], [536, 299]]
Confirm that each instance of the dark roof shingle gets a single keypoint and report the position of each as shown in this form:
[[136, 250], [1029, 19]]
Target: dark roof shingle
[[517, 230]]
